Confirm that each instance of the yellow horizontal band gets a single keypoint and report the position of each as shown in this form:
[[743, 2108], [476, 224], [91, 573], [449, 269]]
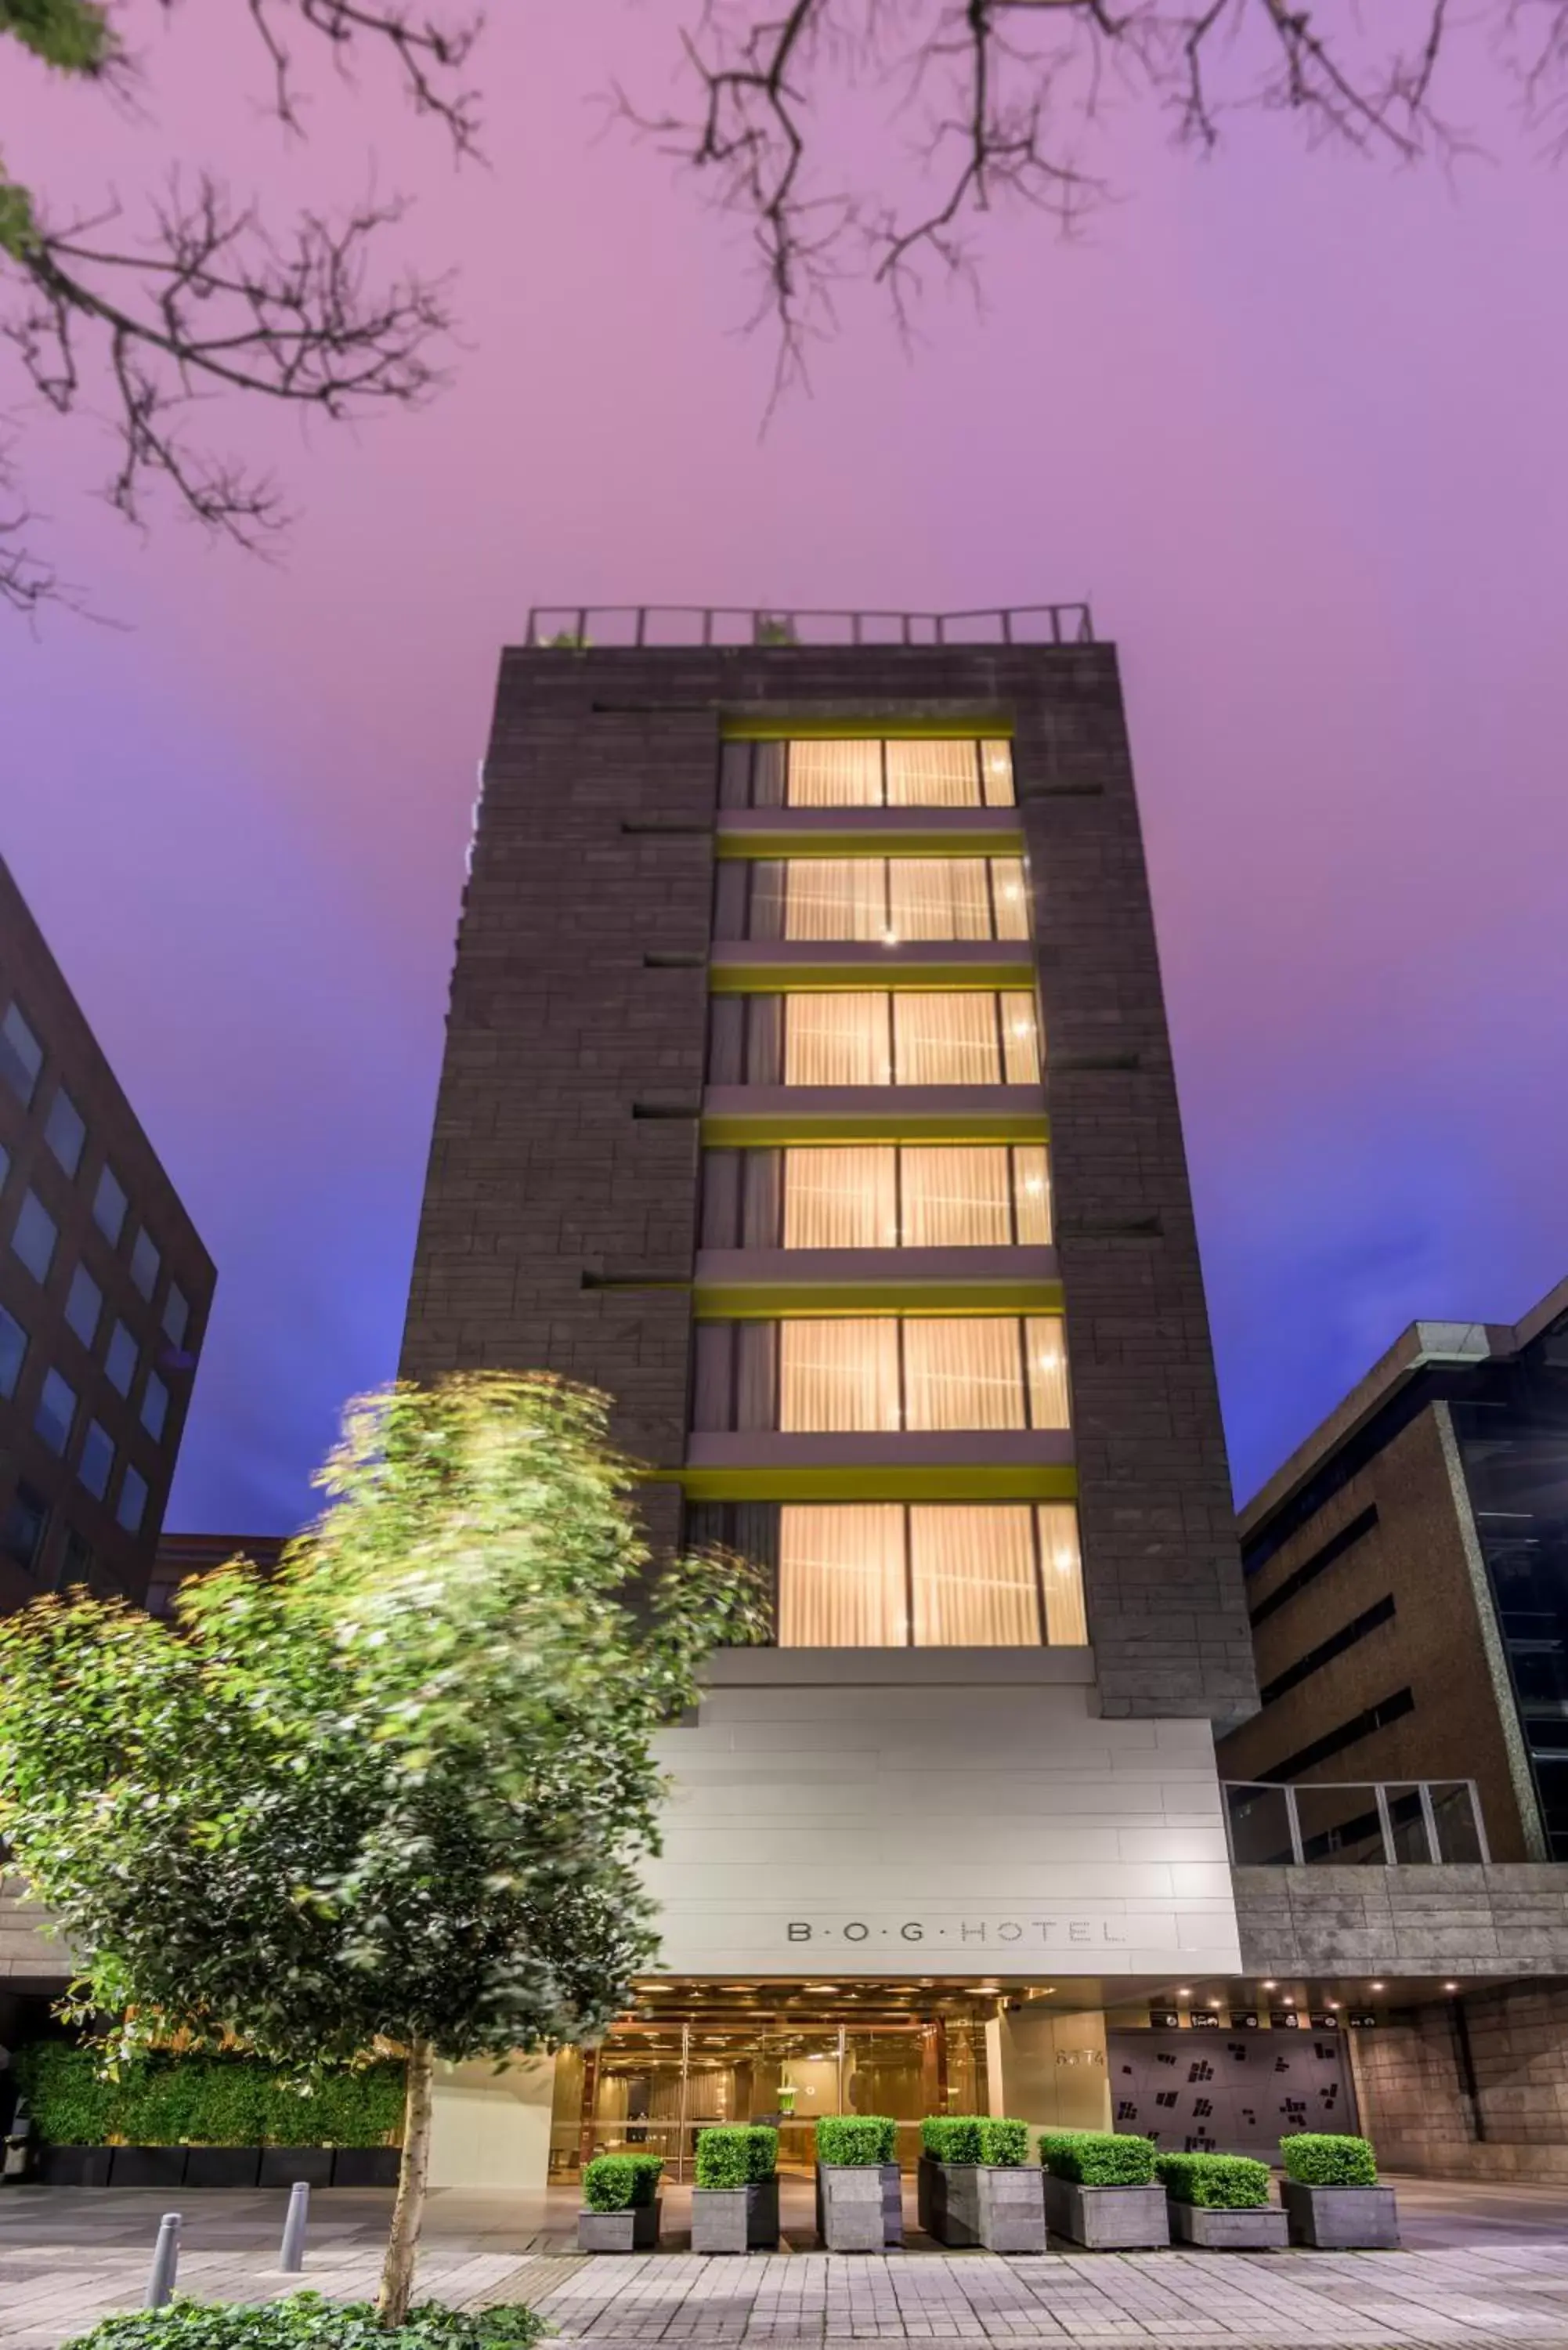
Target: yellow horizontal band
[[867, 978], [744, 1129], [787, 1301], [737, 726], [891, 843], [911, 1484]]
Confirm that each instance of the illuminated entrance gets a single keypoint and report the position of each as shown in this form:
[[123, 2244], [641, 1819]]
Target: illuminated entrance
[[694, 2054]]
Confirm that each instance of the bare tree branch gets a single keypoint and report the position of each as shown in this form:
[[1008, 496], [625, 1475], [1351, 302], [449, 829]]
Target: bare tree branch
[[429, 55]]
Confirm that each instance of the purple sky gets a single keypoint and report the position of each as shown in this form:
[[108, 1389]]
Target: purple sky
[[1295, 426]]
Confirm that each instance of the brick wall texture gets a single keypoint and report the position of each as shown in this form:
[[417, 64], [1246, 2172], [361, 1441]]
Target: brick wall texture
[[549, 1199]]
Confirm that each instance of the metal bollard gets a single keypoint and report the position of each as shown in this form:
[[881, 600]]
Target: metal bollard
[[165, 2261], [291, 2256]]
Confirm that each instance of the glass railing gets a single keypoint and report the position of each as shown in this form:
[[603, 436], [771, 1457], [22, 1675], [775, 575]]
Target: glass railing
[[1368, 1823]]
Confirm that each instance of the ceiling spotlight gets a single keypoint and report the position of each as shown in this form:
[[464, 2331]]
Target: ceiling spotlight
[[1289, 2001], [1450, 1986], [1333, 2007], [1270, 1985], [1184, 1992], [1213, 2002], [1376, 1986]]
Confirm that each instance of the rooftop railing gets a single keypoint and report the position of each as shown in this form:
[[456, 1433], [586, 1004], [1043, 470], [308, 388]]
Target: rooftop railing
[[636, 625], [1370, 1823]]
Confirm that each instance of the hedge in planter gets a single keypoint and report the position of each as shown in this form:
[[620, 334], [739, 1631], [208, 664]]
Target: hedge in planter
[[858, 2200], [1315, 2158], [306, 2321], [621, 2182], [736, 2154], [975, 2137], [1215, 2182], [977, 2185], [1098, 2158], [855, 2141]]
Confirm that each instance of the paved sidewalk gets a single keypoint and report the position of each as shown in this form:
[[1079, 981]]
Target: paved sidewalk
[[67, 2260]]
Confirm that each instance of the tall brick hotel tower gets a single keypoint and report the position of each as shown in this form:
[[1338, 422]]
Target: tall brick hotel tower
[[808, 1087]]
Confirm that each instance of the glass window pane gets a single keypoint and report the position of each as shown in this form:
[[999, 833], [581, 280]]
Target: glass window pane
[[841, 1198], [837, 1040], [1048, 1404], [176, 1316], [1032, 1194], [132, 1502], [24, 1527], [956, 1197], [1340, 1825], [98, 1458], [84, 1305], [154, 1405], [932, 774], [1062, 1575], [841, 1576], [13, 1352], [1453, 1809], [56, 1410], [21, 1055], [939, 898], [834, 775], [65, 1131], [108, 1206], [835, 898], [996, 766], [945, 1040], [145, 1261], [974, 1578], [1407, 1824], [1012, 895], [962, 1374], [1022, 1038], [839, 1374], [1259, 1827], [119, 1364], [34, 1236]]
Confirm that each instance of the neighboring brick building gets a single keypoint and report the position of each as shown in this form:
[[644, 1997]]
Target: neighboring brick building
[[180, 1557], [1408, 1580], [105, 1290]]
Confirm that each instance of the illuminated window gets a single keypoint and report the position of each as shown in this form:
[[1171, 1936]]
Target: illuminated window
[[856, 772], [878, 1196], [947, 1371], [886, 1575], [905, 1036]]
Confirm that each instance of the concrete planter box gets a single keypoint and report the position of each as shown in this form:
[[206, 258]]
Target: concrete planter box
[[859, 2207], [366, 2165], [1342, 2218], [285, 2165], [147, 2166], [1260, 2228], [223, 2166], [73, 2166], [998, 2205], [735, 2219], [636, 2230], [1106, 2218]]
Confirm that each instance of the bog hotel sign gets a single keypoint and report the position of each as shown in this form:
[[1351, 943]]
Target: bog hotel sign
[[1055, 1930]]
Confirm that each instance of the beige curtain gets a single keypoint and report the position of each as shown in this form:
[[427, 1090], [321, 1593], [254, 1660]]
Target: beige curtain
[[1032, 1191], [938, 896], [1021, 1039], [1062, 1573], [1011, 891], [962, 1374], [945, 1040], [837, 1040], [975, 1584], [841, 1198], [932, 774], [835, 898], [1047, 1371], [834, 775], [996, 768], [838, 1374], [841, 1576], [956, 1197]]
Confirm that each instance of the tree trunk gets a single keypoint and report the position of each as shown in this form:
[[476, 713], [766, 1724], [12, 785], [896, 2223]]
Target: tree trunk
[[403, 2244]]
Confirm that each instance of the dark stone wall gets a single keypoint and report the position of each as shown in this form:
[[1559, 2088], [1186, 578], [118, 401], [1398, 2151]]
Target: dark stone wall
[[594, 853]]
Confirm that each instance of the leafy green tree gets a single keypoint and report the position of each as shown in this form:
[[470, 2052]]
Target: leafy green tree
[[396, 1793], [198, 293]]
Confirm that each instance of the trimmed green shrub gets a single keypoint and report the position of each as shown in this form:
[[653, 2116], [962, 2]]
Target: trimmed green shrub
[[1098, 2158], [621, 2182], [855, 2140], [170, 2100], [952, 2137], [1315, 2158], [735, 2154], [306, 2321], [975, 2137], [1215, 2182]]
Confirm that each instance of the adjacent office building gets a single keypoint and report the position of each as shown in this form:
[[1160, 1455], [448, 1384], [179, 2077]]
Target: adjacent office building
[[105, 1290]]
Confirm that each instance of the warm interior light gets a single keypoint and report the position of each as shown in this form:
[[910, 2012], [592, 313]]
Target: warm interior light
[[1213, 2002], [1184, 1992], [1270, 1984], [1020, 1027], [1450, 1986], [1377, 1986], [1033, 1183], [1289, 2002], [1333, 2007]]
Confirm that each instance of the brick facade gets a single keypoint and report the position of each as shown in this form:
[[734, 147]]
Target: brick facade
[[578, 1000]]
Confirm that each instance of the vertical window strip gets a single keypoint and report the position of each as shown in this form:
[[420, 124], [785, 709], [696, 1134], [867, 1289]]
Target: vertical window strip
[[1062, 1575]]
